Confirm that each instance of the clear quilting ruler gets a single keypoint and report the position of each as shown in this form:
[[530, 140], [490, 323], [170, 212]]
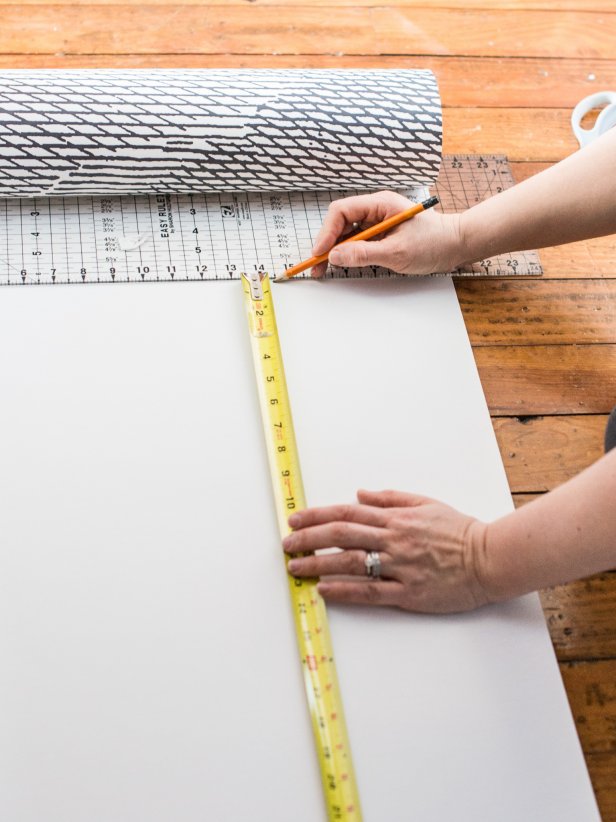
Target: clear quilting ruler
[[213, 236]]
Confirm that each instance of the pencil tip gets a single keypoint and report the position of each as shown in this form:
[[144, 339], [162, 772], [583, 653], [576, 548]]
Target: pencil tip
[[280, 279]]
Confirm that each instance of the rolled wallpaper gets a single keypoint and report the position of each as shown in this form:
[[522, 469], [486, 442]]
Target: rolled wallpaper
[[144, 131]]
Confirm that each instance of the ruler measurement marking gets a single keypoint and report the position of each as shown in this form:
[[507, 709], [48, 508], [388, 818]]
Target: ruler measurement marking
[[21, 237], [224, 231], [123, 235], [51, 247], [193, 213], [84, 270], [169, 202], [98, 273], [9, 264], [210, 239], [266, 224], [252, 214], [68, 276], [138, 235], [154, 229], [37, 252]]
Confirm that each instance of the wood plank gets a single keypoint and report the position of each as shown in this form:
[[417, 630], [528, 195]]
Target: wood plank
[[548, 379], [125, 29], [523, 499], [538, 312], [582, 260], [463, 81], [522, 134], [591, 688], [602, 770], [491, 5], [581, 617], [540, 453]]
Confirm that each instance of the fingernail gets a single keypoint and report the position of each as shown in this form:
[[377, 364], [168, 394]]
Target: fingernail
[[293, 520], [323, 588], [293, 566], [335, 257], [287, 541]]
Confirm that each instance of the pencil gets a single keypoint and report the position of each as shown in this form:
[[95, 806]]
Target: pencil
[[367, 234]]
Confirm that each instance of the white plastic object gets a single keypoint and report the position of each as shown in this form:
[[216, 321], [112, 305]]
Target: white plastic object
[[606, 119]]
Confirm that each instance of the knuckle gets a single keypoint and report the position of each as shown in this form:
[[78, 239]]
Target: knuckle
[[340, 531], [345, 513], [360, 255], [296, 541], [348, 562], [373, 593]]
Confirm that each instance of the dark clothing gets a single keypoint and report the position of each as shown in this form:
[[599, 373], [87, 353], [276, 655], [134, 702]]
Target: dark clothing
[[610, 431]]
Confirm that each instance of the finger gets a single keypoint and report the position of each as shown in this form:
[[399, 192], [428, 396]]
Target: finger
[[364, 514], [335, 535], [366, 208], [362, 593], [391, 499], [366, 252], [319, 270], [342, 563]]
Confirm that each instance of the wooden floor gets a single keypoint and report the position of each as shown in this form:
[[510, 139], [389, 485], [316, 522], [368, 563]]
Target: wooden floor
[[509, 74]]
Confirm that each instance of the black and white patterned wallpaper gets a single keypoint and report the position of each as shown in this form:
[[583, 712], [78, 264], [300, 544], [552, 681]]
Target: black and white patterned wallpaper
[[143, 131]]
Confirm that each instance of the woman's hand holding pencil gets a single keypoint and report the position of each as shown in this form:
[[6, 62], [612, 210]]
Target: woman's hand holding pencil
[[428, 243]]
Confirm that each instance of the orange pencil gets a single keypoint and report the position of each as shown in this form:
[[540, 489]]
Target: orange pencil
[[367, 234]]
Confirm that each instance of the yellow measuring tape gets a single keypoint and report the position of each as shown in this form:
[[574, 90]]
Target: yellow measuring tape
[[315, 646]]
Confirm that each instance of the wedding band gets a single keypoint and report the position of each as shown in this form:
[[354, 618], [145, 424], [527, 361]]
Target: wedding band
[[373, 564]]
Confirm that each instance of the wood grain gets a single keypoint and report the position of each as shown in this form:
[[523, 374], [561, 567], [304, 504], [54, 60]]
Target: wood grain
[[580, 617], [591, 686], [538, 312], [602, 770], [540, 453], [178, 29], [548, 379], [482, 82], [490, 5], [522, 134]]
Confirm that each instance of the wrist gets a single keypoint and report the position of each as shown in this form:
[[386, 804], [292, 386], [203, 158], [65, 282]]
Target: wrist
[[467, 239], [490, 579], [475, 562], [450, 245]]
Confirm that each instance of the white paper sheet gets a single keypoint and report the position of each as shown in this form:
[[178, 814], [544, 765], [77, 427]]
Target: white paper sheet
[[149, 666]]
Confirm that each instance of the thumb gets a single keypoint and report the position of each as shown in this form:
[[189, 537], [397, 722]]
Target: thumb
[[360, 253], [391, 499]]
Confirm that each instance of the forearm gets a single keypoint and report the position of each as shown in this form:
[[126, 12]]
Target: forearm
[[567, 534], [573, 200]]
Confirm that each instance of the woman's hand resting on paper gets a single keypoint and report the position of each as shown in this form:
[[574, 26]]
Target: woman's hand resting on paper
[[437, 560], [427, 243], [431, 555]]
